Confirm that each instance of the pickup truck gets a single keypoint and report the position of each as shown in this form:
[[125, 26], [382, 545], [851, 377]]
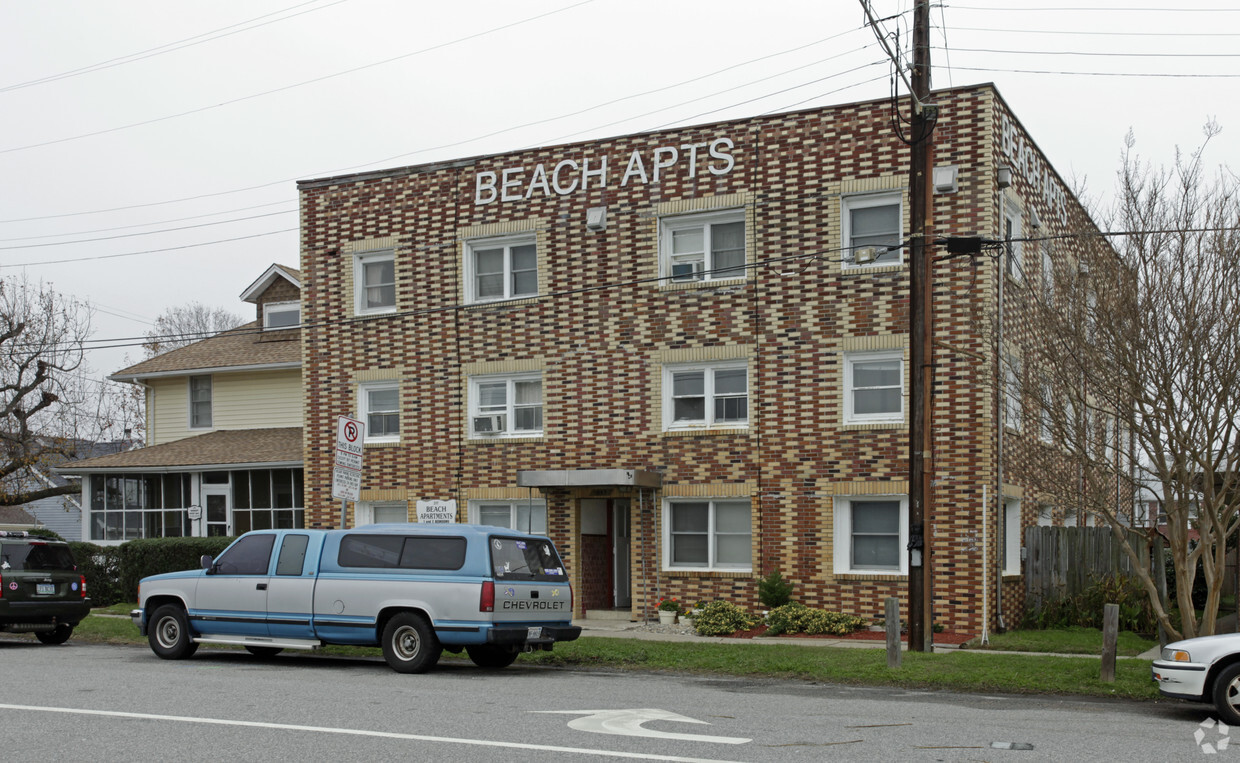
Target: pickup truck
[[412, 589]]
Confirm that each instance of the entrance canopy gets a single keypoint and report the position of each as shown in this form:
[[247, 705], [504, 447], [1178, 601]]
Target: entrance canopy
[[588, 478]]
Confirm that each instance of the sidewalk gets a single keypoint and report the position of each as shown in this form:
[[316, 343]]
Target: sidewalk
[[653, 631]]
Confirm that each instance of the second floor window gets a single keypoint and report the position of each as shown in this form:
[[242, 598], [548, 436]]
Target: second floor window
[[502, 268], [872, 230], [509, 406], [281, 315], [704, 247], [379, 405], [702, 396], [874, 387], [200, 402], [375, 282]]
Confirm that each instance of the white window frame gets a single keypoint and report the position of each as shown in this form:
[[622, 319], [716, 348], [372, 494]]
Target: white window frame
[[1011, 536], [708, 370], [1013, 398], [865, 201], [360, 261], [1046, 420], [189, 392], [364, 511], [499, 242], [712, 535], [853, 358], [669, 226], [1048, 273], [536, 507], [842, 526], [510, 406], [1013, 227], [275, 308], [363, 408]]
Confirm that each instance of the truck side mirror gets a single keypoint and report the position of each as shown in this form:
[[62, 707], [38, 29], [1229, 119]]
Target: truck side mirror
[[207, 561]]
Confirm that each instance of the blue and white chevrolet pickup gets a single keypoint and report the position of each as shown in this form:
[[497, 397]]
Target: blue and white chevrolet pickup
[[412, 589]]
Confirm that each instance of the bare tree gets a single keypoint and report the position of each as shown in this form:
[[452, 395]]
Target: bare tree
[[49, 403], [1139, 387], [184, 324]]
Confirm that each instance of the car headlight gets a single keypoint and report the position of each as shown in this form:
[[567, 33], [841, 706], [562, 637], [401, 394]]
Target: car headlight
[[1176, 655]]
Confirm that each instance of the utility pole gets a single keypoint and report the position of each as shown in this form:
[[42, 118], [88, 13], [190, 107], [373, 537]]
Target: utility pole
[[921, 337]]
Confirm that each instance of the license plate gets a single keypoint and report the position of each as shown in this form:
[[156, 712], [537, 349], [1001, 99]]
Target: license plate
[[45, 589], [533, 633]]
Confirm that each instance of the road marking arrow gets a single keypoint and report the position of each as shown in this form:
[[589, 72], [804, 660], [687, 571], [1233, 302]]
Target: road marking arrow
[[629, 723]]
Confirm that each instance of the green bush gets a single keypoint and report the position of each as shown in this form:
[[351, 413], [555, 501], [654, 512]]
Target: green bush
[[1086, 608], [774, 591], [798, 618], [722, 618], [101, 565], [152, 556]]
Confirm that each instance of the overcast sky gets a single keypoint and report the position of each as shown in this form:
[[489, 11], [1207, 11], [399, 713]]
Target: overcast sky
[[149, 149]]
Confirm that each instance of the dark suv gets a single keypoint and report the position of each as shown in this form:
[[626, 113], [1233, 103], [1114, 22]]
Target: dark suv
[[41, 590]]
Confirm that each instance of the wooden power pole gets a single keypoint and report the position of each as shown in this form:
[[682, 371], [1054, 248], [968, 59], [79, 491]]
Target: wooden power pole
[[921, 337]]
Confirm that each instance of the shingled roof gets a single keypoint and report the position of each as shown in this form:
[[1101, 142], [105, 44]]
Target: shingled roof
[[244, 347], [230, 447]]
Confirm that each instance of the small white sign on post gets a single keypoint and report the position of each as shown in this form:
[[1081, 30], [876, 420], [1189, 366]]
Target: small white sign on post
[[437, 512], [347, 474]]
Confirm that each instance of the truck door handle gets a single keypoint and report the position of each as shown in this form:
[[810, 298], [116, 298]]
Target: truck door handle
[[261, 587]]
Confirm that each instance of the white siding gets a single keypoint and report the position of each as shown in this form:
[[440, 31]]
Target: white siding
[[243, 400]]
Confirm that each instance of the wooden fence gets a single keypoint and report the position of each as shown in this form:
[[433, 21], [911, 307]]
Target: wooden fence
[[1064, 561]]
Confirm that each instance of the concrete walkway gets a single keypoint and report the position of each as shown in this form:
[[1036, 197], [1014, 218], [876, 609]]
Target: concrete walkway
[[652, 631]]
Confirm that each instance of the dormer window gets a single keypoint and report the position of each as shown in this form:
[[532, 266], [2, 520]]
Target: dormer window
[[281, 315]]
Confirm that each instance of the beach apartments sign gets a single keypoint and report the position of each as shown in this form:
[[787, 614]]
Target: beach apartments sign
[[571, 175]]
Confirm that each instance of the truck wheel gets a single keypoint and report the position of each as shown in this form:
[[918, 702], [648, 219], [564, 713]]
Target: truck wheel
[[58, 636], [409, 644], [264, 651], [1227, 694], [168, 633], [490, 656]]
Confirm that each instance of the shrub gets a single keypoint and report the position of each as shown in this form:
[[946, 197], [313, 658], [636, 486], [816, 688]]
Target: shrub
[[722, 618], [152, 556], [774, 591], [1086, 608], [798, 618], [101, 565]]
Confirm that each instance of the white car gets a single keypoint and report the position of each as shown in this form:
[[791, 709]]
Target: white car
[[1205, 669]]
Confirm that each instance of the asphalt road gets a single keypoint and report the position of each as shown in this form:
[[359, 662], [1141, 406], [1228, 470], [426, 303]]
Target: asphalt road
[[103, 703]]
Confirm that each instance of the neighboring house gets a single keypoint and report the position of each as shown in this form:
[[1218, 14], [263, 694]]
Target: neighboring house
[[223, 426], [16, 518], [684, 353], [63, 513]]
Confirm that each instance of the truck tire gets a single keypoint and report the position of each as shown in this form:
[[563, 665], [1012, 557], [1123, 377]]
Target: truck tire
[[265, 652], [1226, 694], [58, 636], [168, 633], [490, 656], [409, 644]]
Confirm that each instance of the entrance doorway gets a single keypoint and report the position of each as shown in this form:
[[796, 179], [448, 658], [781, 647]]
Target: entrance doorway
[[605, 540], [217, 500]]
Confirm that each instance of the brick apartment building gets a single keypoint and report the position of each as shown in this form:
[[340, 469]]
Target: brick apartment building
[[684, 354]]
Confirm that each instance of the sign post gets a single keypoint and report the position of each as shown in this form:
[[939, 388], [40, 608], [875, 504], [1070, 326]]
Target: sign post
[[347, 473]]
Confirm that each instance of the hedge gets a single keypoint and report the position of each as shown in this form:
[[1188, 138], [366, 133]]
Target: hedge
[[152, 556]]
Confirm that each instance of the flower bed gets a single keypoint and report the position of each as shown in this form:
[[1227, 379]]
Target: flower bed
[[946, 637]]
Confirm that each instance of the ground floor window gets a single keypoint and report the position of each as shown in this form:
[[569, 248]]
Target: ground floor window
[[266, 499], [871, 535], [525, 516], [129, 506], [707, 535]]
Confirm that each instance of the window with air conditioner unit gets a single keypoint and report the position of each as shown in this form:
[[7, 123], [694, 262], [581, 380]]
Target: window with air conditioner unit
[[708, 246], [506, 405]]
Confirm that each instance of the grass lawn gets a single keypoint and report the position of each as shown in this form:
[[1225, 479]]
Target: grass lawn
[[963, 670], [1065, 641]]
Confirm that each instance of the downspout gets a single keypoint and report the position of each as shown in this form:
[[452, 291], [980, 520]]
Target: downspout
[[1001, 408], [985, 562]]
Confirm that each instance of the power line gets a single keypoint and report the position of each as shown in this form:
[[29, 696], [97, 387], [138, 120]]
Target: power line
[[1095, 74], [148, 233], [293, 86], [1093, 53], [135, 225], [169, 47], [1093, 33], [149, 251]]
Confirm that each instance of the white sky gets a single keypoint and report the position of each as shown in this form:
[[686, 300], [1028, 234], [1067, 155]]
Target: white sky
[[113, 123]]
